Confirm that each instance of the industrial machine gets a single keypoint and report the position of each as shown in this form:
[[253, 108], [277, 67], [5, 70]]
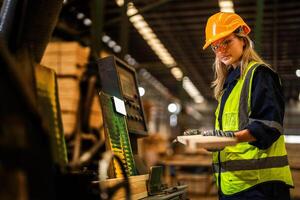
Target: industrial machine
[[33, 162]]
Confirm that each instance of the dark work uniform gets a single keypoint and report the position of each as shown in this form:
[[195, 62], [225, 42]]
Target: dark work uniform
[[267, 103]]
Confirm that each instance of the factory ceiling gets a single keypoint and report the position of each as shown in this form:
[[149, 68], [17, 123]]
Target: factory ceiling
[[179, 25]]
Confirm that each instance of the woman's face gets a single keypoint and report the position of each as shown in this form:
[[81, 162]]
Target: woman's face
[[229, 50]]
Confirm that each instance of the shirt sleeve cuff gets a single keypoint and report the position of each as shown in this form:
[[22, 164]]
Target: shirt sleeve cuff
[[265, 136]]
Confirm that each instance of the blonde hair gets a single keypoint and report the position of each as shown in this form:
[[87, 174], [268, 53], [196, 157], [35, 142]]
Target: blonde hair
[[221, 70]]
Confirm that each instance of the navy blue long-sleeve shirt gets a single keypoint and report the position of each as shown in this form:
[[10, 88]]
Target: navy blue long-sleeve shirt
[[267, 103]]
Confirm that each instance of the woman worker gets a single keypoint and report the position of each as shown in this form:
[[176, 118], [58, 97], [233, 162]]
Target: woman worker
[[251, 109]]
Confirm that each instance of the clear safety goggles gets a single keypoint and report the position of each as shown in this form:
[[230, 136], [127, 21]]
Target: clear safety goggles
[[222, 45]]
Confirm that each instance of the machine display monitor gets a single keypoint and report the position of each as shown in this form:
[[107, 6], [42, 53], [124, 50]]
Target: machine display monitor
[[128, 83]]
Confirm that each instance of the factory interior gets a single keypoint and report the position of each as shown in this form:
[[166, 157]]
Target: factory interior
[[96, 96]]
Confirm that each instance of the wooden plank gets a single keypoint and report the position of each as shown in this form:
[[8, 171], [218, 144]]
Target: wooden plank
[[65, 57], [198, 183], [68, 120], [209, 142], [138, 185]]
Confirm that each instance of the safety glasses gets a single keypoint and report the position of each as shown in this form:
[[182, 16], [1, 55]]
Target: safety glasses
[[222, 45]]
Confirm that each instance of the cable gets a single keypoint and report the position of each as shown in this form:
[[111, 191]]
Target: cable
[[107, 193]]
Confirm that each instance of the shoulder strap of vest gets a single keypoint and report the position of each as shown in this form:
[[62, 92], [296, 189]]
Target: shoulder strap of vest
[[244, 107]]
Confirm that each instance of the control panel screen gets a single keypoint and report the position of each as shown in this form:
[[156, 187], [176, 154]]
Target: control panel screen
[[127, 82]]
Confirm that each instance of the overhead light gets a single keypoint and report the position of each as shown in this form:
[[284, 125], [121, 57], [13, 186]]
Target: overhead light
[[131, 61], [173, 120], [140, 24], [136, 18], [147, 33], [174, 108], [105, 38], [141, 91], [177, 73], [127, 56], [226, 6], [80, 15], [190, 110], [298, 72], [131, 9], [111, 44], [145, 73], [87, 22], [117, 49], [228, 10], [199, 99], [120, 2], [191, 89], [153, 42]]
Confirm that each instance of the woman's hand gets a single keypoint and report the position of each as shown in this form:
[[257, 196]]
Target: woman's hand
[[218, 133]]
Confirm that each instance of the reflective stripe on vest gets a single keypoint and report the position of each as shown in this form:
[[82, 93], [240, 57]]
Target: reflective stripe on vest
[[261, 163], [244, 165], [271, 124], [244, 99]]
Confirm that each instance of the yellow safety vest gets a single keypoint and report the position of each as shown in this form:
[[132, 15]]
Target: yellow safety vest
[[244, 165]]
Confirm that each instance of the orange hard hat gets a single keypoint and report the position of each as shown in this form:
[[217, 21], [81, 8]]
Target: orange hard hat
[[221, 25]]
